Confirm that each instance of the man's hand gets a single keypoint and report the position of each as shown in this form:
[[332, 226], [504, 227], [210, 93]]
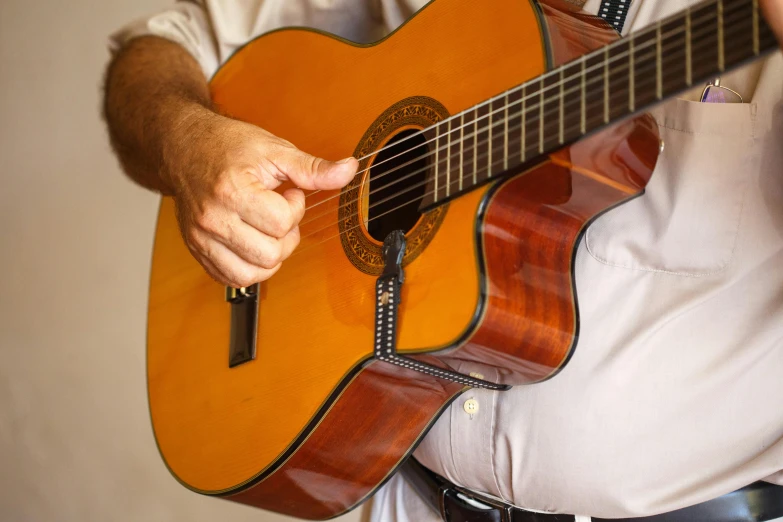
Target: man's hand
[[232, 220], [221, 172]]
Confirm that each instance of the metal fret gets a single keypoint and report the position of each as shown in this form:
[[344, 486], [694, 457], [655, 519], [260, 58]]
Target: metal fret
[[475, 145], [721, 60], [524, 123], [583, 108], [489, 141], [658, 59], [562, 94], [461, 146], [756, 27], [505, 137], [606, 84], [688, 60], [541, 120], [448, 160], [631, 82], [437, 153]]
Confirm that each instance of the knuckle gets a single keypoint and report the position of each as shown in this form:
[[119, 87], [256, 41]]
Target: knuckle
[[296, 207], [193, 240], [208, 220], [244, 276], [269, 273], [272, 256], [224, 188], [314, 163], [279, 221], [296, 237]]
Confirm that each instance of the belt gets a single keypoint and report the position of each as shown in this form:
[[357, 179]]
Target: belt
[[758, 502]]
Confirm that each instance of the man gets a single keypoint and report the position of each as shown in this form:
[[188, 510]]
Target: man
[[674, 395]]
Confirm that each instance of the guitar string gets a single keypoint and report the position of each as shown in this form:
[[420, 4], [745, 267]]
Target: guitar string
[[307, 247], [535, 94], [530, 108], [729, 5], [641, 33], [488, 167], [535, 107], [514, 116]]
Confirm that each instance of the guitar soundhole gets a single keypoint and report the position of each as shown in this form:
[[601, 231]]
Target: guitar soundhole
[[397, 184]]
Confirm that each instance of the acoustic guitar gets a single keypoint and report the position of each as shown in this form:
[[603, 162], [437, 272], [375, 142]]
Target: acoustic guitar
[[490, 134]]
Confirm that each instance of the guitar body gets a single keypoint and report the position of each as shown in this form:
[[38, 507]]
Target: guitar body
[[315, 424]]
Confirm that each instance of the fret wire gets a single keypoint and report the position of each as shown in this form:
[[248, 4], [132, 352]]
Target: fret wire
[[437, 161], [505, 137], [688, 59], [721, 60], [475, 144], [541, 120], [448, 159], [756, 27], [631, 79], [583, 103], [489, 141], [461, 146], [562, 89], [606, 84], [524, 123], [658, 59]]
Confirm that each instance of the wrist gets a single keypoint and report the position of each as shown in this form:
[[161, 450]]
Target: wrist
[[187, 142]]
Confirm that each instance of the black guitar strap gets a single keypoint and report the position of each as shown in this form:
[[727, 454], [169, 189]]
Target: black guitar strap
[[614, 12], [387, 301]]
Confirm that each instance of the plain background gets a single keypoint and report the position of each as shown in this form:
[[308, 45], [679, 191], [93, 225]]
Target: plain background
[[75, 246]]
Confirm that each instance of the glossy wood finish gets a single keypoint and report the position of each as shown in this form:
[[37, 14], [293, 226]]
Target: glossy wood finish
[[366, 435], [530, 221], [218, 428], [573, 33], [273, 432], [532, 224]]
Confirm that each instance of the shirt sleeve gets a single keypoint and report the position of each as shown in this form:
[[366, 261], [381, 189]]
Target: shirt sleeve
[[186, 23], [211, 30]]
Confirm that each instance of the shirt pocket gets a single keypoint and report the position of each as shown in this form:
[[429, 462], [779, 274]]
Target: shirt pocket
[[687, 220]]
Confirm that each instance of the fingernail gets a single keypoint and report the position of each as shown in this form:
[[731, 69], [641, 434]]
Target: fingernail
[[344, 161]]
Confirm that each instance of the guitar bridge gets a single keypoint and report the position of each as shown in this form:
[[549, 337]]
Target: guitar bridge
[[244, 321]]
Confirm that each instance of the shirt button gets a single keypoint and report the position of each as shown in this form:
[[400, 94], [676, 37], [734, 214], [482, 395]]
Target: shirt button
[[471, 406]]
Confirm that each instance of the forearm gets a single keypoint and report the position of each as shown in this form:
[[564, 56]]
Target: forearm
[[155, 96]]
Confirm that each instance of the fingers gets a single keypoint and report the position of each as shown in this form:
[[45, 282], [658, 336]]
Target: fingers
[[269, 212], [227, 267], [312, 173], [234, 223], [257, 248], [255, 255]]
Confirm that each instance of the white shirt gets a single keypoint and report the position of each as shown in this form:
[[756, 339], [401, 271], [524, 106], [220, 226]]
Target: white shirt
[[674, 394]]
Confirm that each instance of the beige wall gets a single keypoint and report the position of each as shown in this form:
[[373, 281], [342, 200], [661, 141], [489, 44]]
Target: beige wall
[[75, 242]]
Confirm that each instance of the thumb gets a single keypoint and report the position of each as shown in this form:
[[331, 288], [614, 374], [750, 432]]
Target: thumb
[[312, 173]]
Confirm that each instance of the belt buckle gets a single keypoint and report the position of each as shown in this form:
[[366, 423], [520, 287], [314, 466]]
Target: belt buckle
[[502, 508]]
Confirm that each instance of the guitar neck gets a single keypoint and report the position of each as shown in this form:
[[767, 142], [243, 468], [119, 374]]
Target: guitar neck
[[523, 125]]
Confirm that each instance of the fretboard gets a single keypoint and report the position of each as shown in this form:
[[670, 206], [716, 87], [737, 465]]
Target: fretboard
[[525, 124]]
